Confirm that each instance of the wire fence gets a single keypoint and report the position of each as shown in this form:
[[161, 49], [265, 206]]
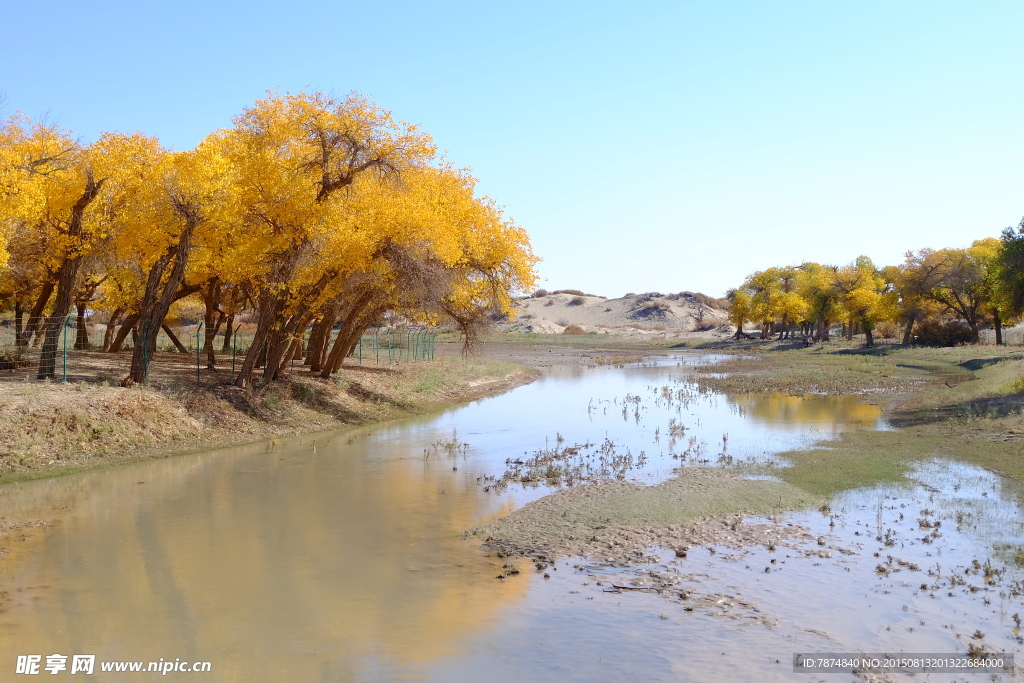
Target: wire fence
[[35, 348], [61, 350], [1012, 336]]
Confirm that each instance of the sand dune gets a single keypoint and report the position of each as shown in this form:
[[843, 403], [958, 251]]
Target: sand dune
[[634, 315]]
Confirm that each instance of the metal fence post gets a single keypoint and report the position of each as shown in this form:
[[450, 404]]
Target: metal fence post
[[198, 351], [64, 378]]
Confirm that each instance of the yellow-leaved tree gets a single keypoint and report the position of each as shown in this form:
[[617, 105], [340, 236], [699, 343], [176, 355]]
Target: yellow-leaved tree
[[295, 156], [861, 290], [310, 210], [61, 217]]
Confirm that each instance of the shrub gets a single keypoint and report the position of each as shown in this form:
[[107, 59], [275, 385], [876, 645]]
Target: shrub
[[652, 310], [936, 333], [577, 301], [539, 293], [303, 392], [710, 302], [573, 329], [886, 330]]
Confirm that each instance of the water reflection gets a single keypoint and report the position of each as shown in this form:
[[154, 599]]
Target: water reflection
[[293, 562], [831, 413]]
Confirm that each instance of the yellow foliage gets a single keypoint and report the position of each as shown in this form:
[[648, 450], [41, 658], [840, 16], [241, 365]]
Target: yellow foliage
[[308, 203]]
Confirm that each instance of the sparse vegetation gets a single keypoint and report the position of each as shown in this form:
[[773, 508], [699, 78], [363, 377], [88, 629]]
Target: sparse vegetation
[[48, 430]]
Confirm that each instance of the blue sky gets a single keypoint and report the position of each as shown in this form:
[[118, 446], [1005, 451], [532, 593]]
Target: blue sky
[[649, 146]]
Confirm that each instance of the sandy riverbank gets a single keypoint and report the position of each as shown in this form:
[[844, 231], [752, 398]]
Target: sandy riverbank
[[53, 429]]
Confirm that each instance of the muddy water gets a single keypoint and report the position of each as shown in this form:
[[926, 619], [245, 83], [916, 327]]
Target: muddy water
[[340, 557]]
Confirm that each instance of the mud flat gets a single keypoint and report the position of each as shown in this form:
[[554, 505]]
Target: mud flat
[[618, 522]]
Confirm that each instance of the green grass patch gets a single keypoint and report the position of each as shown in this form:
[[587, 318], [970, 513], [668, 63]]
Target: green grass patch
[[980, 421]]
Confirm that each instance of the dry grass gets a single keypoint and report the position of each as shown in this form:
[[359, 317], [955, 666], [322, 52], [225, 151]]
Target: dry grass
[[50, 429], [618, 360]]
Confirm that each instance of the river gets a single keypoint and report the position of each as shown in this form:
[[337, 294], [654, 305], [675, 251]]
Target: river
[[341, 556]]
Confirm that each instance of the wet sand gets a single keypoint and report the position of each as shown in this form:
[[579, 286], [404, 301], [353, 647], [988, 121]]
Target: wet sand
[[618, 522]]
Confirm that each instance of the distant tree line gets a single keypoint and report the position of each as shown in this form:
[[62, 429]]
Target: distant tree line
[[942, 297]]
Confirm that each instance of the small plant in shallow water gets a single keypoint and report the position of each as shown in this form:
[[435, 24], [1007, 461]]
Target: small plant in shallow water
[[508, 570], [452, 447], [976, 651]]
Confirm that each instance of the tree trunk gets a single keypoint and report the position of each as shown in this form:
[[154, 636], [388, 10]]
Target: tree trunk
[[357, 333], [82, 334], [292, 329], [909, 330], [267, 315], [334, 358], [108, 334], [156, 303], [998, 322], [294, 351], [320, 337], [228, 331], [314, 336], [35, 316], [66, 275], [869, 341], [61, 305], [212, 319], [127, 326], [174, 340], [211, 358], [280, 338]]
